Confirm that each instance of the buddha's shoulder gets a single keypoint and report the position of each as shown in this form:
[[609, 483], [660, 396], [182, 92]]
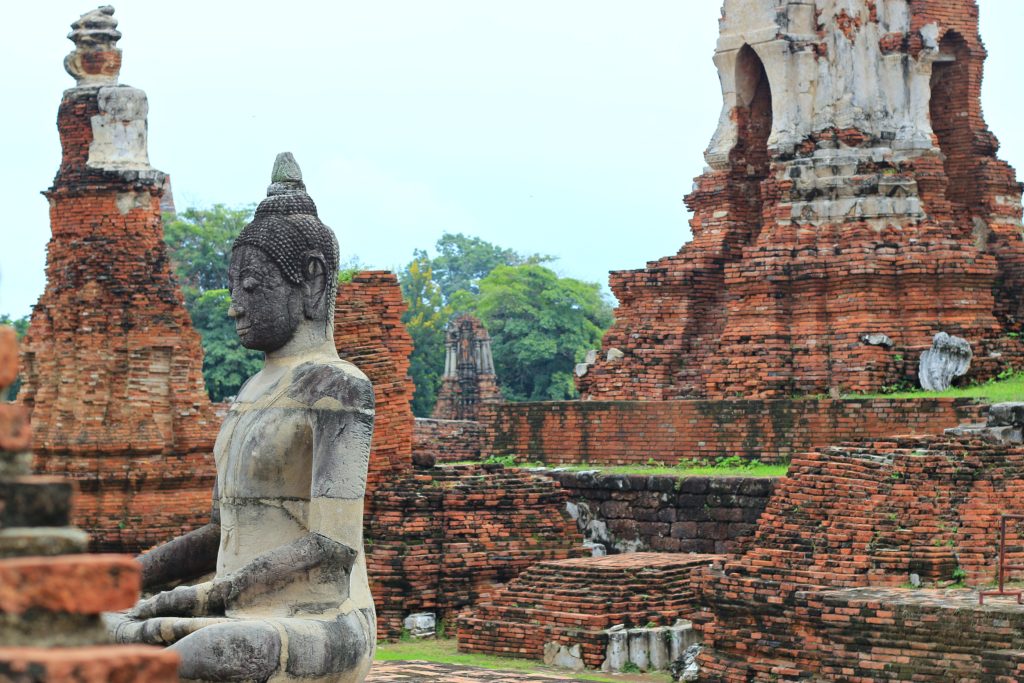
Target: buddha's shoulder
[[338, 379]]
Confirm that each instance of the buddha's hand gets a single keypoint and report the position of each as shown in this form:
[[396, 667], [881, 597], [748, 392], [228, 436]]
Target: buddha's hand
[[184, 601]]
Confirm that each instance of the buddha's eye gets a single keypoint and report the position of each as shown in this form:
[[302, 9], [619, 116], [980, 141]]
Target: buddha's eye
[[249, 284]]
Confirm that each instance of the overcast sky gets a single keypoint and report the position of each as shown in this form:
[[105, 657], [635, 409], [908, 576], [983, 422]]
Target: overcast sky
[[568, 127]]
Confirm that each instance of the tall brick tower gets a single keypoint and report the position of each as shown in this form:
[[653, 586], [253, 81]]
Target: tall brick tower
[[113, 367], [854, 207]]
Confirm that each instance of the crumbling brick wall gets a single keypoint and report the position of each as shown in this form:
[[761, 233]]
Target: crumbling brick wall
[[448, 440], [669, 432]]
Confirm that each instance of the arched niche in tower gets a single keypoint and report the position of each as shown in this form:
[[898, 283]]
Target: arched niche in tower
[[750, 157], [950, 118]]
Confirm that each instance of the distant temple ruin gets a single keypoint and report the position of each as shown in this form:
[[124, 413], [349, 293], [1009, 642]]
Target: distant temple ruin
[[854, 208], [112, 365], [469, 380]]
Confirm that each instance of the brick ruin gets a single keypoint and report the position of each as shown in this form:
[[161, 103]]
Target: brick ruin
[[112, 365], [853, 192], [673, 432], [469, 381], [821, 596], [437, 540], [51, 594]]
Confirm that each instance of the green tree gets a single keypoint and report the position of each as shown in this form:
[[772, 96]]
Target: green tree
[[462, 262], [226, 363], [541, 325], [20, 326], [425, 319], [199, 242]]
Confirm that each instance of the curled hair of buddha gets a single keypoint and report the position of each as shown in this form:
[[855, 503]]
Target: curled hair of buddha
[[287, 229]]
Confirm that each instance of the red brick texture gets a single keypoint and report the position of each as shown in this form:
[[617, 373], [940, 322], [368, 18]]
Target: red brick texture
[[636, 432], [96, 664], [862, 516], [448, 440], [761, 304], [574, 601], [441, 540], [112, 365], [368, 331], [56, 584]]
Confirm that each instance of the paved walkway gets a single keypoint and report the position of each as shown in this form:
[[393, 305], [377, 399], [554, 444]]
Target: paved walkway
[[407, 672]]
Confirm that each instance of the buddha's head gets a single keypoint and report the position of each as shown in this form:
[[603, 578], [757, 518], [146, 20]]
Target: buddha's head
[[283, 274]]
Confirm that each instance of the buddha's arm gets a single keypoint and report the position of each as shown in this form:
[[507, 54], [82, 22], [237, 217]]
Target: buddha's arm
[[185, 557], [341, 449]]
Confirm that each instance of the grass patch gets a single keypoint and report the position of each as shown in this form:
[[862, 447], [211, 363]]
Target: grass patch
[[724, 467], [446, 652], [994, 391]]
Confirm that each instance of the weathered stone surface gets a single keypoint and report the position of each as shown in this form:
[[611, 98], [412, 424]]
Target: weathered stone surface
[[853, 188], [16, 542], [948, 358], [469, 380], [35, 501], [421, 624]]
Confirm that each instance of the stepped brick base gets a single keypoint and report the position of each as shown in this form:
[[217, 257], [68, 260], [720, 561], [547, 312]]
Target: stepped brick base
[[864, 518], [574, 602], [444, 539]]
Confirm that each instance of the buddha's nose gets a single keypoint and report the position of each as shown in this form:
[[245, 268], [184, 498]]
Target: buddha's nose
[[235, 311]]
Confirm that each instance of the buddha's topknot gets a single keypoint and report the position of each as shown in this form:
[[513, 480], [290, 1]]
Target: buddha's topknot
[[287, 229]]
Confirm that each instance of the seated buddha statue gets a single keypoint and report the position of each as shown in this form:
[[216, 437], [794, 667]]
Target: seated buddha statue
[[290, 598]]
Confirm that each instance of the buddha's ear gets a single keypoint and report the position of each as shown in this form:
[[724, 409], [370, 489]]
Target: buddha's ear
[[314, 276]]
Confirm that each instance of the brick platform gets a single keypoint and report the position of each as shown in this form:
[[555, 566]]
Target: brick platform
[[866, 517], [574, 601]]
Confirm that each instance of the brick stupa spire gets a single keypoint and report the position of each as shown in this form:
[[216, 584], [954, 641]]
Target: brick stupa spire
[[113, 367], [854, 208]]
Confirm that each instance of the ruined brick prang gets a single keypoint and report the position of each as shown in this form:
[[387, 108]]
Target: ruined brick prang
[[469, 381], [113, 367], [853, 192], [52, 595]]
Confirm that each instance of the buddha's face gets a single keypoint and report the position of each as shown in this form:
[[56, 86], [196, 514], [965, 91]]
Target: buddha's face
[[267, 308]]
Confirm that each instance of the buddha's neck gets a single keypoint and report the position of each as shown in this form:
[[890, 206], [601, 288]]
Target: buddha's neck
[[309, 341]]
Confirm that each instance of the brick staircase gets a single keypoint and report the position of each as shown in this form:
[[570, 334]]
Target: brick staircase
[[574, 602]]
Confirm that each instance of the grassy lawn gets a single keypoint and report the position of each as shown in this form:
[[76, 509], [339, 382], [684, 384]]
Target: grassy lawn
[[1000, 391], [444, 651], [727, 467]]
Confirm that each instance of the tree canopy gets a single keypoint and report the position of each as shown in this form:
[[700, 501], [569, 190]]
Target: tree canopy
[[540, 324], [199, 242]]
